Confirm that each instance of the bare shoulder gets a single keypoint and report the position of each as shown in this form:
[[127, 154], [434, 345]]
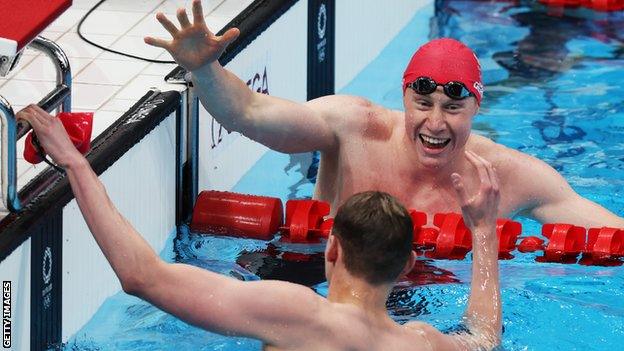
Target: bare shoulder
[[436, 340], [427, 334], [354, 114], [340, 104], [518, 172], [505, 159], [339, 326]]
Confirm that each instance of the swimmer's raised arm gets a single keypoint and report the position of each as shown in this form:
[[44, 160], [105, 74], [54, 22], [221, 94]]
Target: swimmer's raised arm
[[484, 312], [483, 316], [280, 124]]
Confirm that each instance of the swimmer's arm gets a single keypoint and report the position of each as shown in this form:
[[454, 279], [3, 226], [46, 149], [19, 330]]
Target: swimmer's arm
[[280, 124], [277, 123], [280, 314], [552, 200], [483, 316], [275, 312]]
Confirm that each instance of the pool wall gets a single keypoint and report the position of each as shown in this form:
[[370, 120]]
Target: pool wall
[[145, 196]]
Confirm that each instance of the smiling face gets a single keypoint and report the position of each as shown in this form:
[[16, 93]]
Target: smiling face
[[437, 126]]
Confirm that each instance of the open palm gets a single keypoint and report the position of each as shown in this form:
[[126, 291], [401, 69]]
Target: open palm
[[193, 45]]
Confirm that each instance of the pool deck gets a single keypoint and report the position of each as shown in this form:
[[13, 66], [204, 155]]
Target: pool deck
[[104, 83]]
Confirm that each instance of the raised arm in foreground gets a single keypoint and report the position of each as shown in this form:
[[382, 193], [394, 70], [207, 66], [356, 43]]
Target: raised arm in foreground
[[280, 124], [484, 311], [208, 300], [483, 316]]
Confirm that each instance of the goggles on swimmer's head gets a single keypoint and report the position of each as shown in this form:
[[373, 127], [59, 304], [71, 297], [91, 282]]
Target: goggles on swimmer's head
[[455, 90]]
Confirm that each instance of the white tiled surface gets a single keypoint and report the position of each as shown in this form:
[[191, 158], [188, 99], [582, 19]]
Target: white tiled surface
[[104, 83]]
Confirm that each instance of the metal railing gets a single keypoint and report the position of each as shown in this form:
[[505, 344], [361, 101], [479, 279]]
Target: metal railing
[[59, 98]]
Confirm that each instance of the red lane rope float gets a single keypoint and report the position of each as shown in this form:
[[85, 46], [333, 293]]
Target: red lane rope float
[[452, 239], [304, 221], [260, 217], [226, 213], [605, 242], [565, 242]]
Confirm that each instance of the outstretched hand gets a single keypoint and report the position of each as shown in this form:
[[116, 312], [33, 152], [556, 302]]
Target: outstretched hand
[[479, 208], [51, 134], [193, 45]]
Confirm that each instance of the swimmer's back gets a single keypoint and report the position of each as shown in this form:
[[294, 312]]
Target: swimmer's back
[[348, 327]]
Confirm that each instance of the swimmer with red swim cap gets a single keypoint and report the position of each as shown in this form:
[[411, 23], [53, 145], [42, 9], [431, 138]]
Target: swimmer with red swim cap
[[413, 154]]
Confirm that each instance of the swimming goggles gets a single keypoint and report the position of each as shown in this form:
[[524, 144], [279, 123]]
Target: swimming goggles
[[455, 90]]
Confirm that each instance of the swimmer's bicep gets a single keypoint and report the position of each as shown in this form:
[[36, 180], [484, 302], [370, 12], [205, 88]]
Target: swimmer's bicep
[[195, 295], [288, 126], [292, 127], [231, 307]]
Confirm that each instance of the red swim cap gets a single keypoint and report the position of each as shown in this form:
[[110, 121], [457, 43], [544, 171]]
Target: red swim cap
[[446, 60]]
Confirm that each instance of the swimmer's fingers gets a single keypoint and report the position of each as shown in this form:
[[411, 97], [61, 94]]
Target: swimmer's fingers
[[24, 117], [491, 173], [32, 116], [228, 37], [167, 24], [157, 42], [183, 18], [458, 184], [51, 134], [198, 12], [481, 167]]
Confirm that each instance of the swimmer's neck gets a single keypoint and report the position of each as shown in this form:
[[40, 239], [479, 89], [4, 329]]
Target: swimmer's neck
[[344, 288]]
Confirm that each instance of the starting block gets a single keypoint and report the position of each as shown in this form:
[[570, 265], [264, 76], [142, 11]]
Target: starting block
[[21, 23]]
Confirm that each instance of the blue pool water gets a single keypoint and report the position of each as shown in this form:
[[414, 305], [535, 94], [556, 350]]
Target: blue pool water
[[553, 90]]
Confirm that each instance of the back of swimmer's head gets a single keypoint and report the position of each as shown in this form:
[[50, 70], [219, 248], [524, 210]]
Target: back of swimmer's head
[[445, 60], [375, 233]]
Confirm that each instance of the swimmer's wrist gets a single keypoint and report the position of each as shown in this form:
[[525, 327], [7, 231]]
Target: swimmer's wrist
[[76, 162], [205, 71], [484, 231]]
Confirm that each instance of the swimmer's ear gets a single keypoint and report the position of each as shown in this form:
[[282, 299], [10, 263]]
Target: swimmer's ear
[[331, 250], [409, 265], [477, 109]]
